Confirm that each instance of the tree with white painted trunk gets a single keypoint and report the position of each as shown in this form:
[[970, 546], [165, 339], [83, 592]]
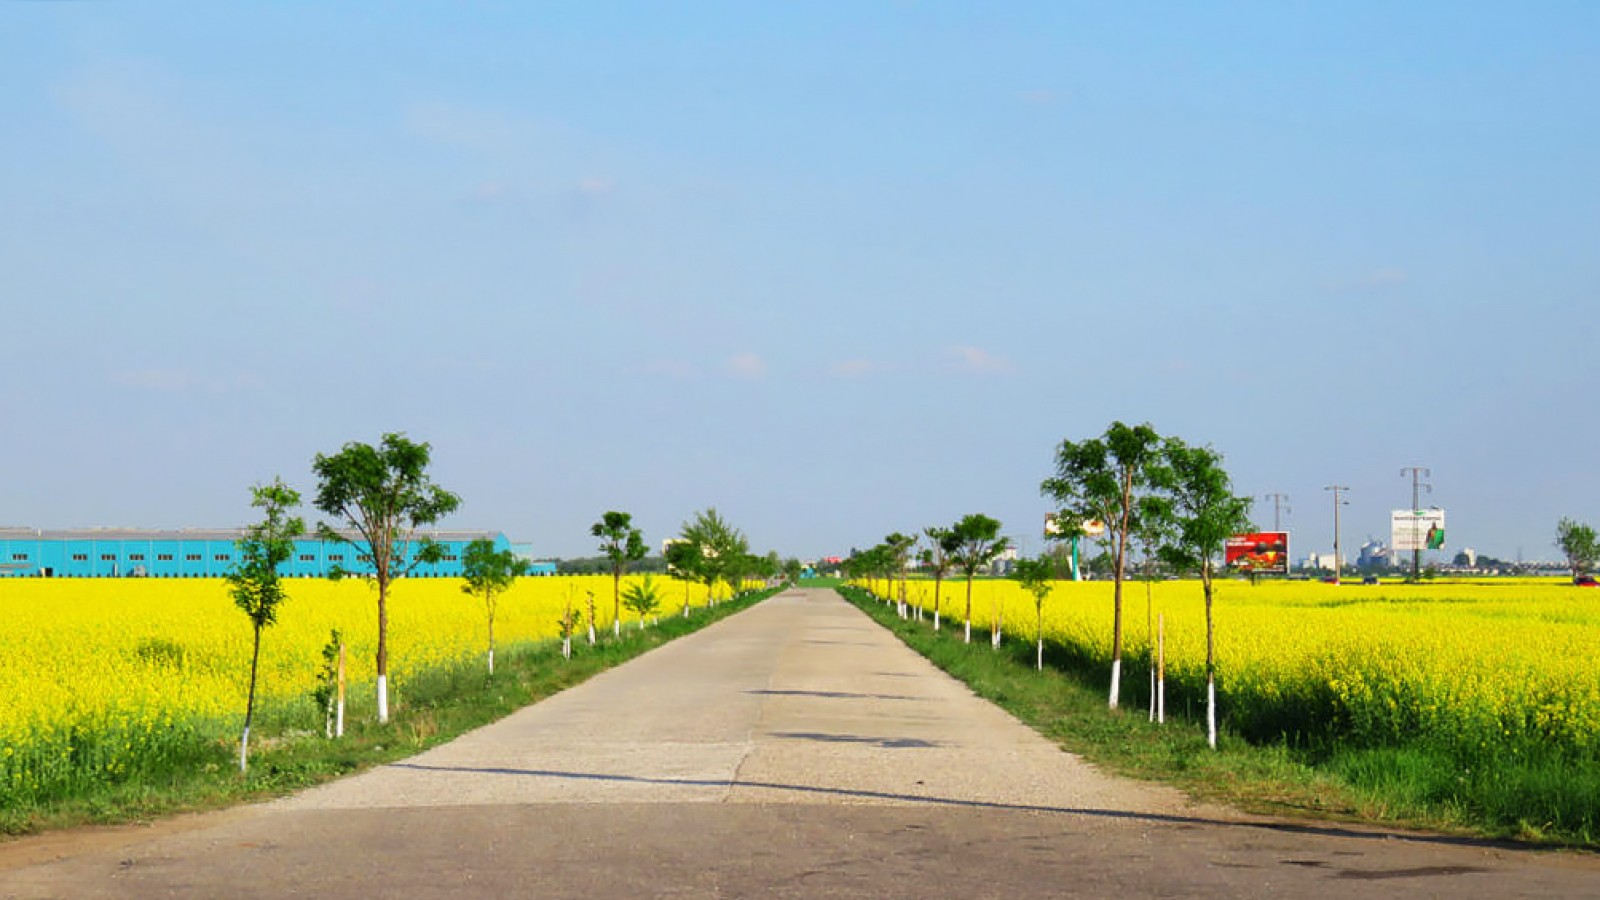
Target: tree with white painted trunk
[[683, 562], [383, 495], [567, 625], [1106, 480], [899, 547], [642, 598], [942, 543], [1205, 513], [977, 544], [255, 584], [1037, 577], [488, 573], [721, 547], [621, 543]]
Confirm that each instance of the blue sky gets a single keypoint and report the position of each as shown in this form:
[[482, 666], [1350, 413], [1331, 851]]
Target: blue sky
[[835, 269]]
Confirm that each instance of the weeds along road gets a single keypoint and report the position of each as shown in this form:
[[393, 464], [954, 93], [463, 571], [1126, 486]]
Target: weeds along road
[[795, 749]]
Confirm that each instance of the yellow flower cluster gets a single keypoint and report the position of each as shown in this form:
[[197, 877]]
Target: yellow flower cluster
[[1501, 664], [99, 678]]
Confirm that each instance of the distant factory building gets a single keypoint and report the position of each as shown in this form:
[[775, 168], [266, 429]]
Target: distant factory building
[[200, 553]]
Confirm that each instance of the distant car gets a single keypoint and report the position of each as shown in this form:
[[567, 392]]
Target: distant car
[[1370, 579], [1585, 581]]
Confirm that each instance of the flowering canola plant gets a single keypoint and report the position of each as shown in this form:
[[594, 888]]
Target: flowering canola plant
[[100, 678], [1502, 666]]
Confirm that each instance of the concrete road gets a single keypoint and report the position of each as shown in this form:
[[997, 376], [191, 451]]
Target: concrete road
[[795, 749]]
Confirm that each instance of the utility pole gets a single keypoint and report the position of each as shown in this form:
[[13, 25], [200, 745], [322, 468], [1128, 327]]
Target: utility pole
[[1280, 505], [1417, 473], [1338, 561]]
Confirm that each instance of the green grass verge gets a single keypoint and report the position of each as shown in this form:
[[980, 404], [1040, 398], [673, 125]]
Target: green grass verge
[[435, 706], [1540, 801]]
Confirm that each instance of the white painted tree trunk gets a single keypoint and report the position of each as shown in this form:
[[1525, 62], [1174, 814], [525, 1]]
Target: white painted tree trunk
[[1116, 681], [244, 749], [616, 628], [338, 717], [1152, 693], [1161, 701], [994, 639], [969, 631], [383, 698], [491, 662], [591, 634], [1211, 712], [566, 647], [1040, 664]]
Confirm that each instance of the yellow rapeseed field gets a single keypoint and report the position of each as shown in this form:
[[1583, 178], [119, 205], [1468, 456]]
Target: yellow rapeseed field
[[100, 677], [1471, 667]]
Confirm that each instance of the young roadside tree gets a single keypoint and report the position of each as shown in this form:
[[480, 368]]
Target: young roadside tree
[[643, 598], [899, 551], [384, 495], [683, 559], [621, 543], [721, 547], [1152, 532], [936, 556], [256, 587], [567, 625], [792, 570], [1037, 577], [1205, 513], [489, 573], [977, 544], [1104, 479], [1578, 544]]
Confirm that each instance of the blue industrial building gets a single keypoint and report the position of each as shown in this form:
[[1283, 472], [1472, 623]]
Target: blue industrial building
[[195, 553]]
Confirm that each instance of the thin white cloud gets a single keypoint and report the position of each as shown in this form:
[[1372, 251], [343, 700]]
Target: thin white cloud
[[1040, 97], [747, 366], [164, 380], [1383, 278], [182, 381], [667, 368], [456, 126], [977, 361], [596, 186], [854, 368]]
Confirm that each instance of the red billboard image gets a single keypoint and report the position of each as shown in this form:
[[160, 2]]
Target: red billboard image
[[1260, 552]]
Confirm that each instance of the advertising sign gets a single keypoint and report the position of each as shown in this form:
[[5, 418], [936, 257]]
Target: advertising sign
[[1262, 552], [1090, 527], [1416, 529]]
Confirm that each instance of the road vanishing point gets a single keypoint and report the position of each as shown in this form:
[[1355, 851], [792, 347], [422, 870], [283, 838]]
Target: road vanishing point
[[796, 749]]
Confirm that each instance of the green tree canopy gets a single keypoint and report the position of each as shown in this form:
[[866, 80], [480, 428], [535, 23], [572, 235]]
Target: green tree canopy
[[383, 494], [621, 543]]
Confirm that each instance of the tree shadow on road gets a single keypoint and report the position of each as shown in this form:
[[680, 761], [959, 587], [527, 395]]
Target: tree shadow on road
[[1319, 830]]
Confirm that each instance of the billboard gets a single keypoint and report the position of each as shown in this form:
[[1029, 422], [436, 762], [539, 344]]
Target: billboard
[[1416, 529], [1090, 527], [1259, 551]]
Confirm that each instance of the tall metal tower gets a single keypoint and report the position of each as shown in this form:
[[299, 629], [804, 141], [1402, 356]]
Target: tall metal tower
[[1280, 505], [1338, 560], [1417, 473]]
